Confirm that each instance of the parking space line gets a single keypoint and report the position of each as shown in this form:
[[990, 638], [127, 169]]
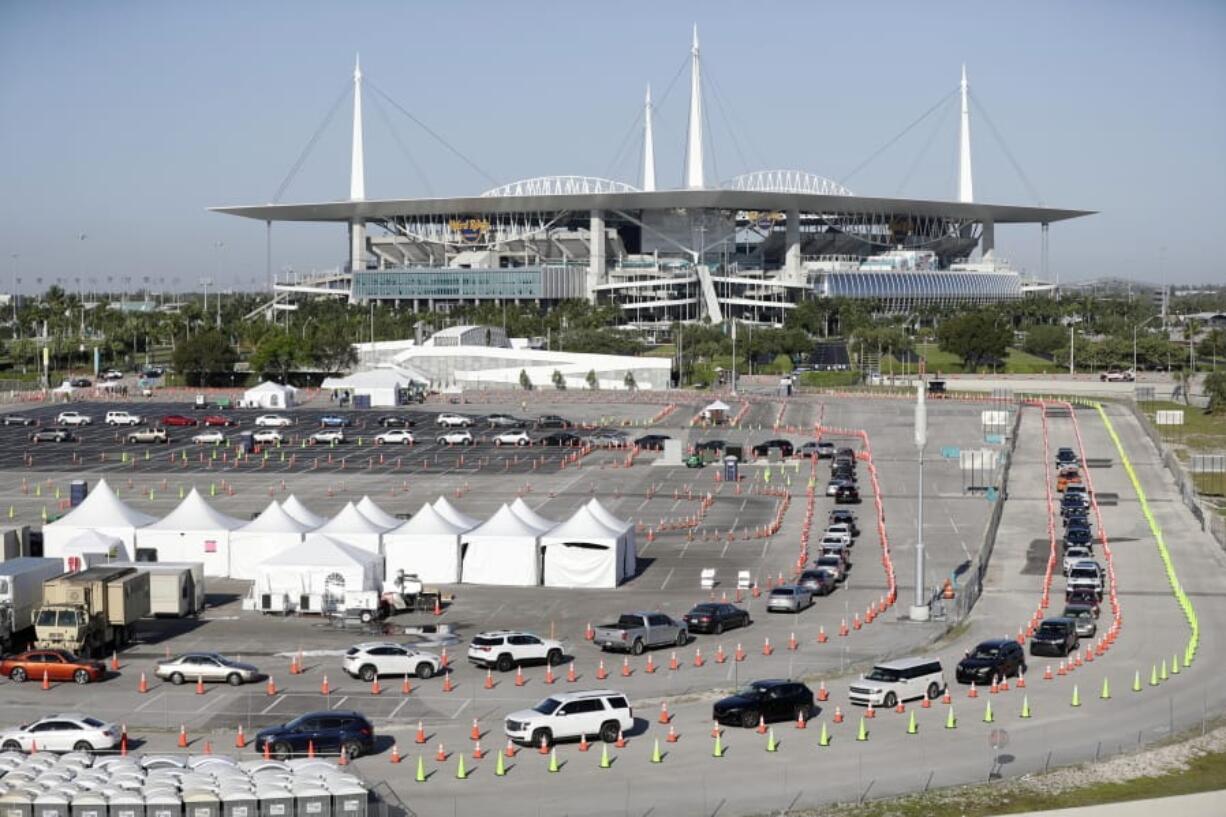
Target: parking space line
[[666, 578], [467, 701], [212, 700], [338, 703], [150, 702], [269, 708], [399, 706]]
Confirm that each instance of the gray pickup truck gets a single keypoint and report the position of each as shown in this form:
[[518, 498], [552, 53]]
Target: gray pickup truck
[[637, 631]]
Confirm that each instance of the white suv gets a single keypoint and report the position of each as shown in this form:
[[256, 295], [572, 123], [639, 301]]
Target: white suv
[[900, 680], [456, 438], [453, 421], [601, 712], [517, 437], [122, 418], [73, 418], [369, 661], [506, 649], [273, 421]]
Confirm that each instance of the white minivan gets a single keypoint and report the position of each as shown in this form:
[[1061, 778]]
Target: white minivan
[[900, 680]]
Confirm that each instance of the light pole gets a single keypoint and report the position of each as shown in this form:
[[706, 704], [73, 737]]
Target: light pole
[[16, 258], [219, 246], [1136, 328], [919, 610], [205, 283]]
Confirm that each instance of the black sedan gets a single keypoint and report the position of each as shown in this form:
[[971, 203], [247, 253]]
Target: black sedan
[[392, 421], [821, 582], [998, 658], [563, 438], [715, 617], [763, 448], [18, 420], [1077, 535], [847, 495], [1055, 636], [772, 700], [651, 442]]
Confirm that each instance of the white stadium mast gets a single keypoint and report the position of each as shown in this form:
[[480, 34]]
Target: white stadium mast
[[693, 155], [649, 148], [357, 175], [966, 192]]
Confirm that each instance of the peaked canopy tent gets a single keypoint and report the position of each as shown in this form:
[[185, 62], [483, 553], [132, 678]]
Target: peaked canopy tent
[[89, 548], [352, 528], [193, 532], [100, 511], [371, 510], [630, 552], [269, 395], [386, 387], [321, 565], [443, 506], [294, 507], [584, 552], [503, 550], [427, 545], [272, 532], [525, 512]]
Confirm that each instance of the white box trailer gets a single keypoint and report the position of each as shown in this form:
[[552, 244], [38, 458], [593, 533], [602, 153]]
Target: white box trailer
[[176, 589], [21, 593]]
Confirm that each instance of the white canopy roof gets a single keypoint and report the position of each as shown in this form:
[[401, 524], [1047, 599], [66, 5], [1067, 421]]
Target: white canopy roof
[[275, 519], [312, 566], [427, 545], [505, 523], [718, 405], [607, 517], [504, 550], [583, 524], [524, 512], [387, 377], [194, 513], [269, 386], [92, 541], [102, 509], [443, 506], [321, 551], [294, 507], [350, 520], [427, 522], [371, 510]]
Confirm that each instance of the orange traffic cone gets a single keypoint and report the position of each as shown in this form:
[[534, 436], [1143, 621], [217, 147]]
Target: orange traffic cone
[[821, 635], [272, 686], [767, 649], [489, 679], [761, 730], [972, 692], [620, 743], [870, 712], [549, 679], [838, 715], [375, 689], [114, 661], [182, 736], [33, 747], [478, 752], [46, 680], [240, 741], [543, 748], [441, 754], [310, 748], [475, 732], [800, 720], [447, 685], [395, 758], [583, 744], [626, 671], [823, 694], [324, 689], [664, 716], [651, 665], [601, 672], [511, 749], [405, 686], [343, 760], [421, 734], [673, 663], [208, 747], [199, 685], [143, 686], [715, 730], [672, 734], [267, 750], [571, 677]]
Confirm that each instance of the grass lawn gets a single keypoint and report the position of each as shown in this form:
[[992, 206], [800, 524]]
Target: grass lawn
[[828, 379], [1016, 362], [663, 350], [1200, 431]]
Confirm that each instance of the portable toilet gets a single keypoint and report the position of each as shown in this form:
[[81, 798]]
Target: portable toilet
[[310, 800], [254, 767], [162, 762], [89, 804], [52, 804], [126, 804], [162, 802], [239, 802], [17, 802], [349, 799], [731, 467], [275, 801], [199, 802]]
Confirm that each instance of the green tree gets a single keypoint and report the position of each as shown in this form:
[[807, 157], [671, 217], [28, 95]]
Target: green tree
[[205, 359], [976, 337], [278, 352], [782, 364], [592, 381], [1045, 340], [525, 382], [330, 348], [1215, 387], [559, 382]]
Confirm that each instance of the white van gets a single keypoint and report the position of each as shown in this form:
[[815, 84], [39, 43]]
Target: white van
[[900, 680]]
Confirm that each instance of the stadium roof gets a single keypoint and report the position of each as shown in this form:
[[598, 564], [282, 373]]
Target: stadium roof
[[710, 199]]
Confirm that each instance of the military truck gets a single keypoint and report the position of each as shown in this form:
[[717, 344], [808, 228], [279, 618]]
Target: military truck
[[91, 612]]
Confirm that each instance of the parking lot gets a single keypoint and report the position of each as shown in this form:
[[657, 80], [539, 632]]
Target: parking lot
[[688, 520]]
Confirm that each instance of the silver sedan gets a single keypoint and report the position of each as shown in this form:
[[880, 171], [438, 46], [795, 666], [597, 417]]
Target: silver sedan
[[206, 666], [790, 598]]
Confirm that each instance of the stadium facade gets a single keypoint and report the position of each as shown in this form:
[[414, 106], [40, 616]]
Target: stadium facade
[[748, 249]]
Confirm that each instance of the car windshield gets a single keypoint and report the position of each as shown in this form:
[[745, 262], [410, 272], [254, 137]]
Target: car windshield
[[547, 706], [1077, 612], [703, 610], [1083, 573], [752, 692], [985, 651], [882, 674], [828, 561], [1050, 630]]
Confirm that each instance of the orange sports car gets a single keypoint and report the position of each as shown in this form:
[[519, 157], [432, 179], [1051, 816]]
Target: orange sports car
[[56, 665]]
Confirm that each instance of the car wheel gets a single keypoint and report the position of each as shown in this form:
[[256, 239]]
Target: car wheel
[[718, 629], [504, 663], [801, 711], [83, 746], [281, 750], [80, 677], [368, 673], [554, 658], [176, 678], [425, 670], [18, 675], [609, 730], [498, 443], [366, 616], [637, 647], [545, 736], [682, 638], [234, 679], [934, 689], [890, 700], [749, 719], [352, 749], [11, 746]]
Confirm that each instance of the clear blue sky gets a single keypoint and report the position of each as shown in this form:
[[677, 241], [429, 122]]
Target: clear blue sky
[[125, 120]]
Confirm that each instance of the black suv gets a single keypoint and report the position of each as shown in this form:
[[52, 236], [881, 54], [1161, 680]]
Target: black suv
[[1067, 456], [552, 421], [325, 732], [763, 448], [765, 700], [1055, 636], [1077, 535], [847, 495], [715, 617], [998, 658]]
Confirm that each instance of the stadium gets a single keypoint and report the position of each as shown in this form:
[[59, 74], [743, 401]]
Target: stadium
[[747, 249]]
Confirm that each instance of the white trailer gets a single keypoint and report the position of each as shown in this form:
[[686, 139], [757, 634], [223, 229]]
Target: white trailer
[[21, 593], [176, 589]]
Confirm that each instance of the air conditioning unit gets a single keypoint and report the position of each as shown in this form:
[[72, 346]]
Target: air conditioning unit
[[311, 603], [273, 603]]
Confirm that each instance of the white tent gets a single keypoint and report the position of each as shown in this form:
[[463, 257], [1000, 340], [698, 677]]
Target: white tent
[[294, 507], [584, 552], [322, 565], [269, 395], [626, 526], [427, 545], [502, 550], [193, 532], [89, 548], [524, 512], [451, 512], [350, 527], [272, 532], [384, 386], [371, 510], [101, 511]]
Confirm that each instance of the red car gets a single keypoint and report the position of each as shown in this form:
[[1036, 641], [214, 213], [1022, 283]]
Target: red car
[[58, 665], [177, 420], [218, 420]]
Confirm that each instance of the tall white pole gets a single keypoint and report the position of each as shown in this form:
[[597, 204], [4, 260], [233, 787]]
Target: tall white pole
[[694, 179], [649, 148], [966, 191], [919, 610], [357, 164]]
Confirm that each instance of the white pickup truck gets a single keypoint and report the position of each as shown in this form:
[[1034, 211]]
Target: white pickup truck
[[635, 632]]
